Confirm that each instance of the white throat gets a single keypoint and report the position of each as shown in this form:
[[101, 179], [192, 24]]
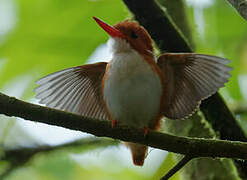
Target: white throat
[[118, 45]]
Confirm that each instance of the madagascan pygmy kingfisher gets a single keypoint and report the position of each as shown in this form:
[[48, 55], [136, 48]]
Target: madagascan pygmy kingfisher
[[135, 88]]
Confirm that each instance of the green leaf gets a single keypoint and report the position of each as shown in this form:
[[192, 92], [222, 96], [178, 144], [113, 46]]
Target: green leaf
[[52, 35]]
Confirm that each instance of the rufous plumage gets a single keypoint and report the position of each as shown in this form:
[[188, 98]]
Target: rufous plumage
[[135, 88]]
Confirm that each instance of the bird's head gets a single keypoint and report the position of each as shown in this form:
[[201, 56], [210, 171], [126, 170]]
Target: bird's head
[[128, 35]]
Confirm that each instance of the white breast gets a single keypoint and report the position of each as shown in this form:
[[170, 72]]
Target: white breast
[[132, 90]]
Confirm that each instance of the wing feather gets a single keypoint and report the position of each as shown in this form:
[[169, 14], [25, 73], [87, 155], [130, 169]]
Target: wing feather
[[76, 90], [190, 78]]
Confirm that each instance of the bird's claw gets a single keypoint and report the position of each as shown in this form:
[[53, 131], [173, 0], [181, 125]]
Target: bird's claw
[[146, 131], [114, 123]]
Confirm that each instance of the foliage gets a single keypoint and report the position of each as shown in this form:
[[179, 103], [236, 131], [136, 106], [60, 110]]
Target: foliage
[[45, 36]]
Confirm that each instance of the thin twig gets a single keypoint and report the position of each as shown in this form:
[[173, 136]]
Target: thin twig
[[18, 157], [177, 167]]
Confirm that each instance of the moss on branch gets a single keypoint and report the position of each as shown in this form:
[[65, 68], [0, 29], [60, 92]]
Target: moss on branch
[[194, 147]]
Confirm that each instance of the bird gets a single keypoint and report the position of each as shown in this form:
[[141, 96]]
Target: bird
[[135, 88]]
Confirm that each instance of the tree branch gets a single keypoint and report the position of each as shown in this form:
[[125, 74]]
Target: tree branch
[[177, 12], [194, 147], [169, 38], [24, 154], [163, 31], [240, 6], [18, 157]]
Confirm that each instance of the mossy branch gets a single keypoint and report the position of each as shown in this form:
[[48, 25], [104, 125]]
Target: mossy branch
[[195, 147], [240, 6], [169, 38], [160, 26]]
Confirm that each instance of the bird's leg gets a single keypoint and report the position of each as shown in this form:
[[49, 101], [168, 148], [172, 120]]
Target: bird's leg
[[114, 123], [146, 131]]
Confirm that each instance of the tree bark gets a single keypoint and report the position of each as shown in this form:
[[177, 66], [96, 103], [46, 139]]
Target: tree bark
[[240, 6], [194, 147]]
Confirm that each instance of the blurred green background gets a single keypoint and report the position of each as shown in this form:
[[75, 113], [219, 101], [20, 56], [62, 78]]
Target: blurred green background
[[43, 36]]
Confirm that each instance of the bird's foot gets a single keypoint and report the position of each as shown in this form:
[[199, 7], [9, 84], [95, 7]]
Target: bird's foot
[[114, 123], [146, 131]]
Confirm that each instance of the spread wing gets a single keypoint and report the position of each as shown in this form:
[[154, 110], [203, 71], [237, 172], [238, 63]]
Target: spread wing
[[76, 90], [190, 78]]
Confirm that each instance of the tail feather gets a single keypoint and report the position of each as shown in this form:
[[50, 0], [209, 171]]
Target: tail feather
[[139, 153]]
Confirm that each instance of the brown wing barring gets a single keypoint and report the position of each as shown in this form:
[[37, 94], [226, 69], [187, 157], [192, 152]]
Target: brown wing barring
[[190, 78], [76, 90]]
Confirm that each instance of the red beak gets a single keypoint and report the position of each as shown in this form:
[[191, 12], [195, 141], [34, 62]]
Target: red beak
[[113, 32]]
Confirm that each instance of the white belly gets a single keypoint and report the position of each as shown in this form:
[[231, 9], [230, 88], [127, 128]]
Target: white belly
[[132, 90]]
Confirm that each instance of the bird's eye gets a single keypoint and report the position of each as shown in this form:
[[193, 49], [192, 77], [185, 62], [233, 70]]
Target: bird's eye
[[133, 35]]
